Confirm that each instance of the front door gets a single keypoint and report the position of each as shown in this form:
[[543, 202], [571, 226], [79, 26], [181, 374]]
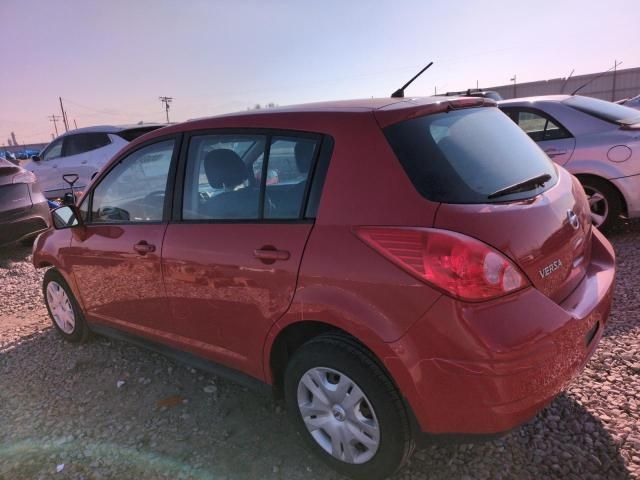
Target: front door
[[231, 258], [116, 258]]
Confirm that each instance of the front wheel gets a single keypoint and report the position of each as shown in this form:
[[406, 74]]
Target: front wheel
[[63, 308], [346, 408], [604, 202]]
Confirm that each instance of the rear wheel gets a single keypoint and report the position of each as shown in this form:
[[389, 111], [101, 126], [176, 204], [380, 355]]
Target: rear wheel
[[346, 408], [63, 308], [604, 202]]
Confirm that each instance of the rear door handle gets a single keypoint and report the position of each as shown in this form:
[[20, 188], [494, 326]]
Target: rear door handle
[[554, 152], [143, 247], [271, 254]]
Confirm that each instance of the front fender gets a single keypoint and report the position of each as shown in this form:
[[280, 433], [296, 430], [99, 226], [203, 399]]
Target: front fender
[[49, 251]]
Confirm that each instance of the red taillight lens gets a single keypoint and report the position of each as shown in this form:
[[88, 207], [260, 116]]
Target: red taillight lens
[[461, 266]]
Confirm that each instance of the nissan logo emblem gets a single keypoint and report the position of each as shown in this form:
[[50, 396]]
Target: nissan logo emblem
[[573, 219]]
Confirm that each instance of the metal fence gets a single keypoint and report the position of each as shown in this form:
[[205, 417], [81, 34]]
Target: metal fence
[[610, 86]]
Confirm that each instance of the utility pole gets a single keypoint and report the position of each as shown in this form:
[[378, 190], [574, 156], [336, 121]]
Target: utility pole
[[615, 69], [514, 79], [75, 124], [166, 101], [64, 116], [54, 119]]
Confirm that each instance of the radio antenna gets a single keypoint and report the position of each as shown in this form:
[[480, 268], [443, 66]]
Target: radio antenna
[[400, 92]]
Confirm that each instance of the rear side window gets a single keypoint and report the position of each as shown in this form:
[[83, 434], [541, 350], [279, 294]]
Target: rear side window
[[84, 142], [133, 133], [463, 156], [538, 127]]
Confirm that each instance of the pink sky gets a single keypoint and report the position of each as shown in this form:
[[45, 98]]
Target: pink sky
[[111, 60]]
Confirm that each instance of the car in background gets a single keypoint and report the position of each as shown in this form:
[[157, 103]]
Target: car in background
[[83, 152], [412, 265], [633, 102], [476, 92], [24, 211], [596, 140], [9, 156]]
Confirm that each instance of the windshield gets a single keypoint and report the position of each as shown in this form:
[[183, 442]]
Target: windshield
[[464, 156], [611, 112]]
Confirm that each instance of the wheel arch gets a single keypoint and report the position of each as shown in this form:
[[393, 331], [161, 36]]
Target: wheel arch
[[623, 200]]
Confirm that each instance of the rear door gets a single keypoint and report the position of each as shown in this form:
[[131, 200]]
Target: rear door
[[556, 141], [231, 254], [82, 153], [116, 258]]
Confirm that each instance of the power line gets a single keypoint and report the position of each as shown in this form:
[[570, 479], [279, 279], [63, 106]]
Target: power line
[[54, 119], [166, 101]]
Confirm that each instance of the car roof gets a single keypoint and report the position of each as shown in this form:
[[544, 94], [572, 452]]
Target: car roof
[[539, 98], [111, 128], [387, 111]]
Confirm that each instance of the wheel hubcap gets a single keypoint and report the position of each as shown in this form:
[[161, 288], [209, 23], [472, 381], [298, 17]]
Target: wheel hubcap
[[598, 205], [338, 415], [60, 307]]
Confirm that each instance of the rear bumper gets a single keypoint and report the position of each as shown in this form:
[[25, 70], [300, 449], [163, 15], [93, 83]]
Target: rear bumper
[[486, 368], [630, 189], [25, 222]]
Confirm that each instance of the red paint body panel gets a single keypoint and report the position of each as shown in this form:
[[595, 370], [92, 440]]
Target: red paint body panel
[[485, 368], [534, 233], [116, 283], [463, 367], [223, 300]]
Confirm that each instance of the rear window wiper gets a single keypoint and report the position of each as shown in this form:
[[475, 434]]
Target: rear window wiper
[[523, 186]]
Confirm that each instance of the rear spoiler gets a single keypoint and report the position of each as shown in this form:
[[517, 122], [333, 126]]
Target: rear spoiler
[[418, 107]]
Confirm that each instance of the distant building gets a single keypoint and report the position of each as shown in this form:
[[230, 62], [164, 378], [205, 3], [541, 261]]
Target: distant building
[[610, 86], [13, 137]]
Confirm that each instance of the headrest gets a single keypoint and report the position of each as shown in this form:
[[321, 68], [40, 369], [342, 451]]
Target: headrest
[[304, 150], [224, 168]]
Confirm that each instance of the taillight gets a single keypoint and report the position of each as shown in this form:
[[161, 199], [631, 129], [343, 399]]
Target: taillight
[[460, 265]]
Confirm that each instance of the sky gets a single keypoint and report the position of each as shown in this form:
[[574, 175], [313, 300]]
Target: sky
[[110, 61]]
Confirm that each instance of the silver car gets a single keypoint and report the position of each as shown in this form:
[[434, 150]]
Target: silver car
[[597, 141]]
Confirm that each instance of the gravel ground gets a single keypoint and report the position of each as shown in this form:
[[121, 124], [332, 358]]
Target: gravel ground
[[106, 409]]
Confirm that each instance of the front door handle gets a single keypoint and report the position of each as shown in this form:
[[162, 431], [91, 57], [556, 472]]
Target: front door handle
[[270, 254], [554, 152], [143, 247]]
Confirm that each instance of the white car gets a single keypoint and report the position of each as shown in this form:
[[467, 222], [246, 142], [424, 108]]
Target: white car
[[83, 152]]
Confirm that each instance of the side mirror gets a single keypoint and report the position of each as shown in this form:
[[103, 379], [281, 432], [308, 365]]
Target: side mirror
[[67, 216], [35, 158]]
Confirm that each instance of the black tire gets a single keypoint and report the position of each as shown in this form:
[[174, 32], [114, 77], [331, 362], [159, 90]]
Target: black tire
[[345, 355], [80, 332], [611, 201]]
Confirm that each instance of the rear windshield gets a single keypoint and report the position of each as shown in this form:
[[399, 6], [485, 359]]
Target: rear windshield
[[611, 112], [463, 156], [133, 133]]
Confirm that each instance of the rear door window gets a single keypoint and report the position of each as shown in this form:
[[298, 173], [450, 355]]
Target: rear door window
[[538, 126], [464, 156], [84, 142]]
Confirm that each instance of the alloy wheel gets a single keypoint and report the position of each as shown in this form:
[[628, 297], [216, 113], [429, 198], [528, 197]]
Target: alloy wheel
[[338, 415], [598, 204]]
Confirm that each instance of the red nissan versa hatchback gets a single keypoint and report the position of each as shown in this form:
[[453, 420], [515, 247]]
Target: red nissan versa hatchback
[[390, 266]]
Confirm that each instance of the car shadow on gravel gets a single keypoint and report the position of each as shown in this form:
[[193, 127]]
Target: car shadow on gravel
[[563, 441], [13, 253], [106, 409]]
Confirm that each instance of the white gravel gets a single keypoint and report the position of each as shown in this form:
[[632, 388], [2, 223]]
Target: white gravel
[[110, 410]]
